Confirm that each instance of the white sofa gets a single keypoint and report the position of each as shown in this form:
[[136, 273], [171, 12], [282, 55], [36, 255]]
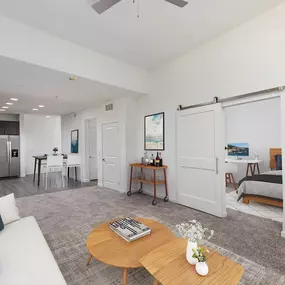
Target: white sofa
[[25, 257]]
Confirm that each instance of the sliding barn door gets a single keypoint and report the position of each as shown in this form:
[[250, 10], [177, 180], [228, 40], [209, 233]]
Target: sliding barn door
[[200, 159]]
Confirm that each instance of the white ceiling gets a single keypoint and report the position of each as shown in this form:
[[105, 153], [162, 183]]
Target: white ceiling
[[162, 32], [34, 85]]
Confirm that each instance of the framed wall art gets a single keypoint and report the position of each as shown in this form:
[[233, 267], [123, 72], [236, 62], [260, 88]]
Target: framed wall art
[[74, 141], [154, 137]]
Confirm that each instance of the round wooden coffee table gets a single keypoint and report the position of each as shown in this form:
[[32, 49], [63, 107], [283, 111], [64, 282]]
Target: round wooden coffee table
[[106, 246]]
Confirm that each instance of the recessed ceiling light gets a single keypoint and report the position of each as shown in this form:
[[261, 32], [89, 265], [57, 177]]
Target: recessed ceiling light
[[9, 103], [72, 78], [35, 109], [5, 107], [47, 116], [41, 106], [2, 110], [13, 99]]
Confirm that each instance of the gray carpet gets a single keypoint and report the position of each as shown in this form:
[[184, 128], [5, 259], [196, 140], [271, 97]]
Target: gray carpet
[[67, 217]]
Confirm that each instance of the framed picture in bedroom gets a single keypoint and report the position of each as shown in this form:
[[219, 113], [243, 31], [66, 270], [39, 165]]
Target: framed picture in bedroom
[[74, 141], [154, 136]]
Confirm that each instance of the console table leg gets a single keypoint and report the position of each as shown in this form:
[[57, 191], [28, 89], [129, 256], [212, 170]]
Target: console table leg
[[154, 202], [125, 276], [165, 183], [131, 180]]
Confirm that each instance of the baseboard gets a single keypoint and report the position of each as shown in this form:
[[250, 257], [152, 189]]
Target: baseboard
[[84, 180], [100, 185], [283, 234]]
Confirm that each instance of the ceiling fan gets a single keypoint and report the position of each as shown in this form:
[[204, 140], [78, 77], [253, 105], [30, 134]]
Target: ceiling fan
[[100, 6]]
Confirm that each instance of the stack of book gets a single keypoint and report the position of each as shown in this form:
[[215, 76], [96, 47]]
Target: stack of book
[[129, 229]]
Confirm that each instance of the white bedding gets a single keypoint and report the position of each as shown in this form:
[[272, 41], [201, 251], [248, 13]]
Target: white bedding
[[259, 188]]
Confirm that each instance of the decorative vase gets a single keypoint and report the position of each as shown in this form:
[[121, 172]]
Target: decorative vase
[[189, 252], [202, 268]]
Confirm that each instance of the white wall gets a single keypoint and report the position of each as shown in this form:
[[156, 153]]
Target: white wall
[[43, 49], [259, 125], [38, 137], [249, 58], [122, 110]]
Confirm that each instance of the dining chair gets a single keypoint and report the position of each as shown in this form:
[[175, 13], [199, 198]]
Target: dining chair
[[73, 161], [54, 162], [230, 170]]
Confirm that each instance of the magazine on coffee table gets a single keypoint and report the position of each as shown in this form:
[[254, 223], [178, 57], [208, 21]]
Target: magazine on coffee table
[[129, 229]]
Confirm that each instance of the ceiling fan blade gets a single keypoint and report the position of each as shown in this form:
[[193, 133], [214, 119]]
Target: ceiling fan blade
[[101, 6], [179, 3]]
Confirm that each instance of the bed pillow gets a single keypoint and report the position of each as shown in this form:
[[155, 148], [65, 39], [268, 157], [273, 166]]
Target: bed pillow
[[278, 159], [8, 209]]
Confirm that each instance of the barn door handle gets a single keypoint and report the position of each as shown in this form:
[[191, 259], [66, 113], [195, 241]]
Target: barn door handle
[[217, 165], [103, 159]]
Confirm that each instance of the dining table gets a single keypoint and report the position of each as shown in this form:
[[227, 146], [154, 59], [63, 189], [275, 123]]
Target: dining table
[[38, 160]]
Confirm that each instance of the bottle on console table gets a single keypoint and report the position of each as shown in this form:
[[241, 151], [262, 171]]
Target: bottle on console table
[[152, 160], [157, 160], [160, 159]]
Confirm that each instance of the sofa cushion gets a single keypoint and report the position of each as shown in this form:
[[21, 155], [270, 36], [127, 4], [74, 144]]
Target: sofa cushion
[[8, 209], [25, 258]]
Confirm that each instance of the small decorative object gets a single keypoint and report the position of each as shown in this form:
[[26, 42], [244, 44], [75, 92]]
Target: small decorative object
[[201, 266], [194, 232], [154, 132], [55, 150], [74, 141]]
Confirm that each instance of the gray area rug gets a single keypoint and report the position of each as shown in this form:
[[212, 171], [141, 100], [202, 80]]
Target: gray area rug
[[69, 249], [66, 218]]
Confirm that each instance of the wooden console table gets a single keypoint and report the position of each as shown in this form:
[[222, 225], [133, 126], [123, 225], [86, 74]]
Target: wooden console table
[[155, 182]]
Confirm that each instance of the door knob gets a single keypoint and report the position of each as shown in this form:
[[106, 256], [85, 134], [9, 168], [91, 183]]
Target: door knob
[[103, 159]]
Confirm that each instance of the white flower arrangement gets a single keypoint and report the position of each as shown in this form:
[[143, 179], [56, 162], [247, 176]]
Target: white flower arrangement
[[194, 231]]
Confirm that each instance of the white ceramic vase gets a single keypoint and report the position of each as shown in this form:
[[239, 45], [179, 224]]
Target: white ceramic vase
[[202, 268], [189, 252]]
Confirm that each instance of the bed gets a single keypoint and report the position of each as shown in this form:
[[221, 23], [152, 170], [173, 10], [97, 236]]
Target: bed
[[266, 188]]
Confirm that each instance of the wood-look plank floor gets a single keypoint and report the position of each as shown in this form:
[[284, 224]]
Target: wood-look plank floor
[[25, 186]]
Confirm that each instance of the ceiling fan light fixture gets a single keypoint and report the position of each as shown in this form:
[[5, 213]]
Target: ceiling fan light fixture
[[100, 6]]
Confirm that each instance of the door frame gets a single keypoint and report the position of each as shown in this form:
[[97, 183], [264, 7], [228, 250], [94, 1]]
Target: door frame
[[86, 167], [119, 153], [87, 154], [220, 165]]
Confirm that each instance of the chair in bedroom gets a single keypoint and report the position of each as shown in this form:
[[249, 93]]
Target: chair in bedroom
[[230, 170]]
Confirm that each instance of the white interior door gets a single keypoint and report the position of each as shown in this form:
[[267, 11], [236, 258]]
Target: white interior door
[[200, 159], [111, 147], [93, 169]]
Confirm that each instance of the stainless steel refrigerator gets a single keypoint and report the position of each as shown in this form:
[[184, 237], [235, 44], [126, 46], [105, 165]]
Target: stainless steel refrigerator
[[9, 156]]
